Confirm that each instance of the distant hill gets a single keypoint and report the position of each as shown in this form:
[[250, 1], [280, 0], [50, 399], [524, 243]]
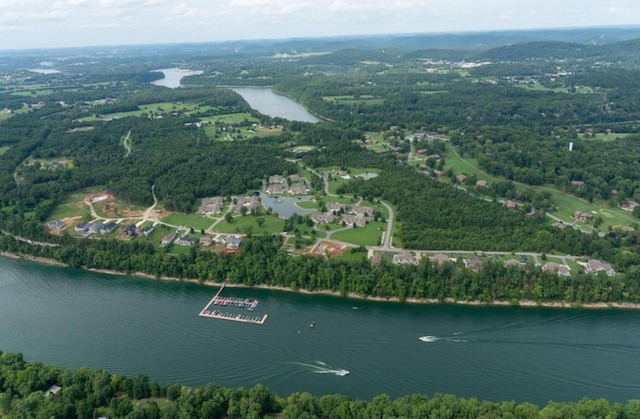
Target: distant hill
[[624, 50]]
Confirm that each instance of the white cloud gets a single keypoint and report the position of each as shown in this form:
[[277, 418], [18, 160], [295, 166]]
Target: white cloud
[[86, 21]]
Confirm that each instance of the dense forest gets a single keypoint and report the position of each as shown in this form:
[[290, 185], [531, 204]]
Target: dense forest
[[262, 262], [36, 390]]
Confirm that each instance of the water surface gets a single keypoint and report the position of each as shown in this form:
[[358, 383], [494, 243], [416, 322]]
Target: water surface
[[266, 102], [173, 76], [131, 325]]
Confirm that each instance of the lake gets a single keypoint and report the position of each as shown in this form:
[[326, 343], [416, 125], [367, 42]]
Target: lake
[[172, 77], [128, 325], [266, 102], [285, 207]]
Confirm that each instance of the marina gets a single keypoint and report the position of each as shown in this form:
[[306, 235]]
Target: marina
[[246, 303]]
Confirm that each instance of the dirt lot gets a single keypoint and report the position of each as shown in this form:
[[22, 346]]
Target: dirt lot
[[323, 248]]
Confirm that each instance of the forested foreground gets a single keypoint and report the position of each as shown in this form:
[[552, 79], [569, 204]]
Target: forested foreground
[[35, 390], [262, 262]]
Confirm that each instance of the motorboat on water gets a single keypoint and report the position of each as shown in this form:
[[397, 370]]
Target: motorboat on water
[[428, 338]]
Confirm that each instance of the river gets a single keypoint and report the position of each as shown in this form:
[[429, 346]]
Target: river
[[128, 325], [266, 102], [173, 76]]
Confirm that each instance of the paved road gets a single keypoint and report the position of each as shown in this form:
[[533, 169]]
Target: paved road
[[126, 144]]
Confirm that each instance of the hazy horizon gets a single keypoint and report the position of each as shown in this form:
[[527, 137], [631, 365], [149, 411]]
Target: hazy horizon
[[33, 24]]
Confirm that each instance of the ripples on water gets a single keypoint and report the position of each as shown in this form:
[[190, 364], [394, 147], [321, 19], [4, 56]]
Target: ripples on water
[[132, 325]]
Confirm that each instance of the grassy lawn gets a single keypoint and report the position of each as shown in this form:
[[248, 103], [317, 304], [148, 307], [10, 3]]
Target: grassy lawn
[[368, 235], [233, 117], [249, 224], [307, 204], [197, 222], [71, 206]]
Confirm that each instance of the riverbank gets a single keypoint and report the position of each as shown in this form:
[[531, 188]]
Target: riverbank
[[520, 303]]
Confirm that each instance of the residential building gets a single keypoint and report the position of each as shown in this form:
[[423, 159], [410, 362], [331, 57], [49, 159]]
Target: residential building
[[557, 268], [582, 216], [145, 231], [81, 227], [405, 258], [277, 179], [187, 240], [595, 265], [440, 258], [55, 224], [166, 240]]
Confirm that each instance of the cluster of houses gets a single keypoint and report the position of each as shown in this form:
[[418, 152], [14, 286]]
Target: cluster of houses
[[293, 184], [133, 230], [227, 241], [86, 228], [355, 215], [475, 262]]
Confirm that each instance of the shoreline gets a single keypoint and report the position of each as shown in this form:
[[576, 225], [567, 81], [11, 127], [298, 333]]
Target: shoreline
[[352, 296]]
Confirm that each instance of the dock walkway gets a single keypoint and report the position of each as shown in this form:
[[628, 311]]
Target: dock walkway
[[248, 303]]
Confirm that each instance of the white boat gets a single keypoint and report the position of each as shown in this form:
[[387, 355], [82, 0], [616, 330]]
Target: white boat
[[342, 372], [428, 338]]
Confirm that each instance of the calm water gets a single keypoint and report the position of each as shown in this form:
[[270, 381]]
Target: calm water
[[266, 102], [172, 77], [129, 325], [285, 207]]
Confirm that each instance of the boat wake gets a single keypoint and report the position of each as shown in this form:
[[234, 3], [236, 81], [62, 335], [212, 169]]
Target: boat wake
[[428, 338], [320, 367]]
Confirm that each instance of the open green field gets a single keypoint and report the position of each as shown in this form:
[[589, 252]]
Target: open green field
[[162, 108], [354, 100], [71, 206], [195, 221], [4, 149], [249, 224], [233, 117], [368, 235], [307, 204]]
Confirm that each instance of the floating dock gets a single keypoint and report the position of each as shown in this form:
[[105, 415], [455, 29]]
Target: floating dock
[[247, 303]]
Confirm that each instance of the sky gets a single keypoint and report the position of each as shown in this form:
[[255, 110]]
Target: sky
[[63, 23]]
